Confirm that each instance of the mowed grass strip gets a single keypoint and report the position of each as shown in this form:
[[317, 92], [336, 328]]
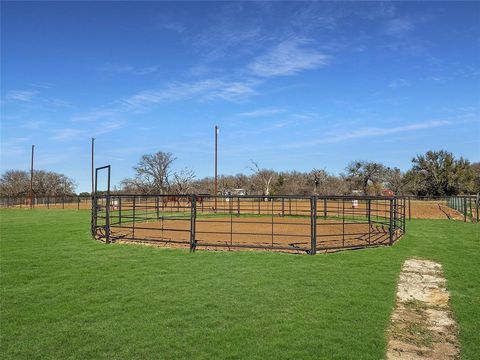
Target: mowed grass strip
[[66, 296]]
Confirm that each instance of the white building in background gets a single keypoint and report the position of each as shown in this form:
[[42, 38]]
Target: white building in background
[[235, 192]]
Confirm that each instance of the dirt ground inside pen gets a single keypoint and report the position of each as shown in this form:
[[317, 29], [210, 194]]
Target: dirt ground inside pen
[[286, 233], [432, 210]]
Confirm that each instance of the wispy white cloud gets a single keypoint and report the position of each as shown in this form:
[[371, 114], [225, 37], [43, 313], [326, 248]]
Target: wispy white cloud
[[399, 83], [128, 69], [48, 159], [14, 147], [67, 134], [288, 58], [399, 26], [21, 95], [438, 79], [56, 103], [370, 132], [261, 112], [35, 99], [210, 89], [42, 85], [33, 124], [107, 126], [174, 26], [15, 141], [202, 90], [71, 134], [230, 33], [94, 115]]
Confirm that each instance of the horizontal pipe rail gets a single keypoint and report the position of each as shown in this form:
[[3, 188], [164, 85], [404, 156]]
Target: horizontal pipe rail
[[290, 223]]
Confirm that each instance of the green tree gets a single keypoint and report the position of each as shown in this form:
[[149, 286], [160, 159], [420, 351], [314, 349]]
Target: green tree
[[438, 173]]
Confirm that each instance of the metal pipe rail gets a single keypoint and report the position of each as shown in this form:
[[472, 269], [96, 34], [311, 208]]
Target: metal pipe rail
[[307, 224]]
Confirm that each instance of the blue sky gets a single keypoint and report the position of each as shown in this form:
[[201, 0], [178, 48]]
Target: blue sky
[[291, 85]]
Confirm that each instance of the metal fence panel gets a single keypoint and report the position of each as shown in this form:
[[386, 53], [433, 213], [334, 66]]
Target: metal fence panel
[[300, 224]]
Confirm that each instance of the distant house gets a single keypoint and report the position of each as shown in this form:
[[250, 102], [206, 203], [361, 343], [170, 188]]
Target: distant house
[[387, 192], [236, 192]]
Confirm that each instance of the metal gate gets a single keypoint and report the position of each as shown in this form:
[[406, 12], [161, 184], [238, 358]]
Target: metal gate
[[101, 209]]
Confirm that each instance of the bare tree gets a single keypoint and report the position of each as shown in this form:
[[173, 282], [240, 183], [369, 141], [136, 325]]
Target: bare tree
[[394, 180], [365, 173], [319, 178], [134, 186], [262, 178], [45, 183], [295, 183], [14, 183], [335, 185], [183, 181], [154, 171]]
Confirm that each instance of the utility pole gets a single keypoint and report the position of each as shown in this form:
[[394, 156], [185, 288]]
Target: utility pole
[[31, 178], [216, 167], [93, 164]]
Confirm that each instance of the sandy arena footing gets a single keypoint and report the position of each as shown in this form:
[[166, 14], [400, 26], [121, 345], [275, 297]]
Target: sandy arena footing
[[422, 325]]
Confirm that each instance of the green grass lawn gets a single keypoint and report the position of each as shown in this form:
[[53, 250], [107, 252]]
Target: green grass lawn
[[65, 296]]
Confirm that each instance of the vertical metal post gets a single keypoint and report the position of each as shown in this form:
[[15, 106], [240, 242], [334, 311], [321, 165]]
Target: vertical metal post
[[133, 217], [93, 195], [343, 222], [313, 225], [369, 213], [93, 163], [64, 191], [283, 206], [107, 219], [78, 202], [31, 177], [391, 223], [230, 211], [477, 206], [272, 214], [238, 205], [409, 209], [470, 208], [157, 206], [94, 207], [193, 218], [395, 215], [325, 212], [464, 209], [216, 167], [119, 210]]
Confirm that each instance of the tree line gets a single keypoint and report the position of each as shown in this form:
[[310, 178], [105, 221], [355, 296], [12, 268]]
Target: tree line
[[16, 183], [435, 173]]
